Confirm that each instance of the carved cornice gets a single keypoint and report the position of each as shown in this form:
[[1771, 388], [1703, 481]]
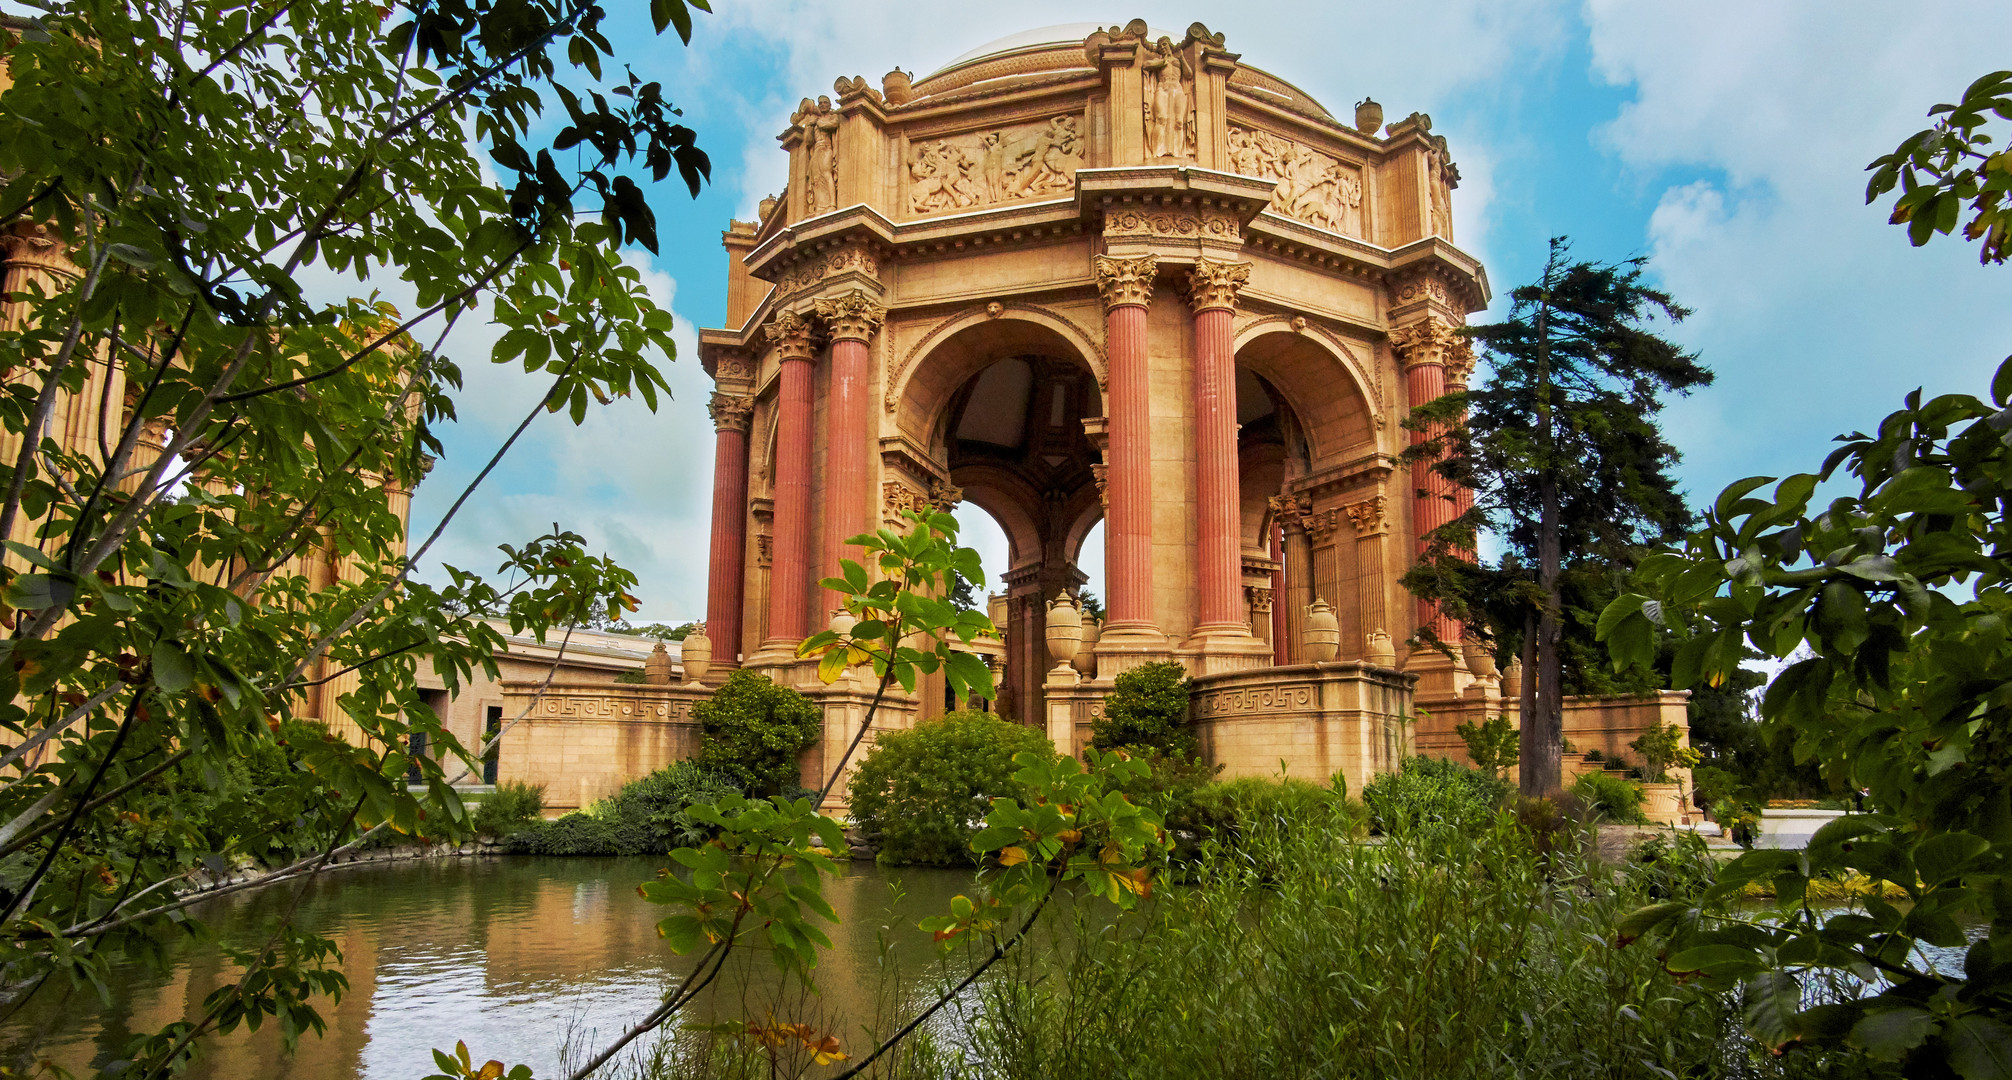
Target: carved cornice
[[852, 317], [731, 412], [1214, 285], [1368, 516], [1126, 281], [1430, 340], [791, 334]]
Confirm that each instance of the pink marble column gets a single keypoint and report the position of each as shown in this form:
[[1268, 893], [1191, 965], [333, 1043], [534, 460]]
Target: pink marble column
[[849, 444], [1212, 291], [726, 581], [1424, 348], [1278, 601], [790, 569], [1127, 286]]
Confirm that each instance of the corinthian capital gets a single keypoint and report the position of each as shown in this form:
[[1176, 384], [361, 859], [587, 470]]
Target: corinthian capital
[[730, 411], [1368, 515], [1431, 340], [852, 317], [1126, 281], [1214, 284], [790, 333], [1291, 511]]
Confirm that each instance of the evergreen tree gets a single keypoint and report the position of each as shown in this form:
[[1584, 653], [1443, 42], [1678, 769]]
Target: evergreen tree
[[1569, 469]]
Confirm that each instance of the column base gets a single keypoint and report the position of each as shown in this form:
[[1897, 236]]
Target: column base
[[1441, 679], [1126, 645], [777, 659], [1221, 647]]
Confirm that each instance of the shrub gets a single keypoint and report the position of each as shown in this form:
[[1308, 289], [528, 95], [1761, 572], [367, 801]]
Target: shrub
[[1610, 797], [1430, 791], [1661, 747], [511, 808], [1147, 709], [754, 732], [921, 794], [1231, 810], [1492, 745], [647, 816]]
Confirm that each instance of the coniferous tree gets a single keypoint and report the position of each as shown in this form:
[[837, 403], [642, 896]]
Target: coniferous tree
[[1570, 471]]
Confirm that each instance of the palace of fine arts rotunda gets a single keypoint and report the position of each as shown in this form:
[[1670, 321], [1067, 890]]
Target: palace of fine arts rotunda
[[1109, 275]]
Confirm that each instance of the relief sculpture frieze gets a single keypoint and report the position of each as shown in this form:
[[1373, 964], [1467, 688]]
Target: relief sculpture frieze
[[1023, 161], [1312, 187]]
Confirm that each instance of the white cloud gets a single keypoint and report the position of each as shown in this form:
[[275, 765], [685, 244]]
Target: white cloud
[[1814, 312]]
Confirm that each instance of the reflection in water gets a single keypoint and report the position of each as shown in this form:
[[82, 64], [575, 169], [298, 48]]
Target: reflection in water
[[513, 955]]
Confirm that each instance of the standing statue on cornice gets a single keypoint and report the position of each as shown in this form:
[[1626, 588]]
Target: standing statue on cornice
[[1169, 104], [1443, 176], [821, 155]]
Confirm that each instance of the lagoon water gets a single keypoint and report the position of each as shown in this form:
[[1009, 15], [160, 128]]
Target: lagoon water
[[514, 955]]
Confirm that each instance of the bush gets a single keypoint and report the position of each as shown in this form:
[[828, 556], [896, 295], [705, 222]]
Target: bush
[[1229, 811], [1610, 797], [754, 732], [647, 816], [511, 808], [920, 795], [1147, 709], [1430, 791]]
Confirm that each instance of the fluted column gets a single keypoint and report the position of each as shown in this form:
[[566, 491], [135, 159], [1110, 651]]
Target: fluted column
[[1291, 511], [849, 506], [1371, 524], [1424, 348], [790, 572], [726, 578], [1276, 535], [1127, 287], [1212, 293]]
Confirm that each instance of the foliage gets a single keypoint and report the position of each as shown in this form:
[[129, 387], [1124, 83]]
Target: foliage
[[920, 795], [631, 677], [649, 815], [203, 165], [1429, 791], [1896, 598], [512, 807], [1610, 797], [1493, 745], [1945, 169], [1726, 731], [1232, 811], [1569, 469], [1093, 608], [753, 732], [1661, 747], [1302, 954], [1147, 708]]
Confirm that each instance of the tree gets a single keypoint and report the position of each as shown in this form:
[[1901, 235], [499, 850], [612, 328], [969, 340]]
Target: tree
[[1147, 709], [1947, 168], [1492, 744], [1569, 470], [753, 732], [195, 163]]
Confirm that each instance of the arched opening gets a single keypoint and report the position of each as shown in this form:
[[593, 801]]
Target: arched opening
[[1001, 405]]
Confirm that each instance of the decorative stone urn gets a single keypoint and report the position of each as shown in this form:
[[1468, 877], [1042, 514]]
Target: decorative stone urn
[[698, 656], [657, 670], [842, 622], [1323, 632], [1065, 632], [1512, 681], [1480, 659], [1086, 653], [1379, 651], [1368, 116]]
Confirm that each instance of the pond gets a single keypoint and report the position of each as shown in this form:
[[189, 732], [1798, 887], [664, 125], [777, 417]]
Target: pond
[[514, 955]]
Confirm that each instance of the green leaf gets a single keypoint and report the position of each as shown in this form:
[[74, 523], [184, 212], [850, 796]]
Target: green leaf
[[1940, 858], [1643, 920], [1888, 1034], [1980, 1048], [173, 671]]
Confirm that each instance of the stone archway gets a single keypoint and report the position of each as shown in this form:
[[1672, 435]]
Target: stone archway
[[1000, 405]]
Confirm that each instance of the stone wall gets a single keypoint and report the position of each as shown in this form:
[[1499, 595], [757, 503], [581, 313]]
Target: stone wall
[[1316, 719], [583, 740]]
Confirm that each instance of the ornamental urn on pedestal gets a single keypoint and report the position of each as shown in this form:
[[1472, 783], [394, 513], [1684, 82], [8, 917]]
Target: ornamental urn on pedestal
[[1065, 632], [1086, 654], [1379, 650], [1323, 632], [657, 669], [698, 657]]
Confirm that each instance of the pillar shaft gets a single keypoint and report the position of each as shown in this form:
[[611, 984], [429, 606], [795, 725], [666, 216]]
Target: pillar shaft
[[790, 573], [726, 581], [1219, 546], [1278, 598], [1128, 528], [1427, 348], [849, 505]]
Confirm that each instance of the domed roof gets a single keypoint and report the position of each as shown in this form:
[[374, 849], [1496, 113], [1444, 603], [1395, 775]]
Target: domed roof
[[1045, 53]]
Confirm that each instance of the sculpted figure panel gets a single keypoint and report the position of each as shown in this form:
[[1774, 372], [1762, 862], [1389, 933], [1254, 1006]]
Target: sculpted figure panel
[[1025, 161], [1312, 186], [1170, 123]]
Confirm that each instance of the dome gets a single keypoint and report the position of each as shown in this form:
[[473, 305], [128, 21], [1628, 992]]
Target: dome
[[1070, 34]]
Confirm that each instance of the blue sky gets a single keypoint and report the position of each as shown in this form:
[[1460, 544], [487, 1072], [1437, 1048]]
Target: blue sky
[[1725, 141]]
